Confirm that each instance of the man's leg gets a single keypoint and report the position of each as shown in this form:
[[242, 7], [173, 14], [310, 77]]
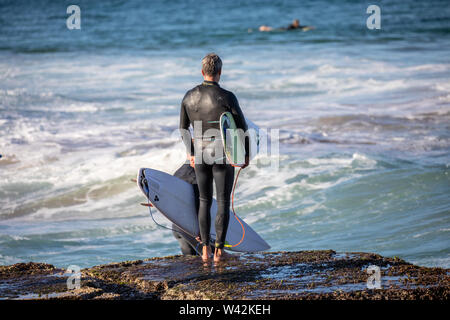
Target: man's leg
[[223, 177], [205, 187]]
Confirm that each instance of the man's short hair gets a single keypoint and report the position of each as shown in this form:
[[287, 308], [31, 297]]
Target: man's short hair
[[211, 64]]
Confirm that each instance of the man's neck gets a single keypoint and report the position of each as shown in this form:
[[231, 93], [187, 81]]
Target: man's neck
[[210, 83], [212, 79]]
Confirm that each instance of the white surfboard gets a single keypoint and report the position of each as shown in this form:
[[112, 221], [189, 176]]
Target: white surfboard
[[174, 198]]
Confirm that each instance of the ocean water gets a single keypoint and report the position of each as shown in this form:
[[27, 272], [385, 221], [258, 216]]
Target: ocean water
[[363, 118]]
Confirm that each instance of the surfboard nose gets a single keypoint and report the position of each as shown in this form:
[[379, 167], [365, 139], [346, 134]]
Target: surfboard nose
[[142, 181]]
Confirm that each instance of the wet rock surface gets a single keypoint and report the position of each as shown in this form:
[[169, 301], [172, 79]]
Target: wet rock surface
[[276, 275]]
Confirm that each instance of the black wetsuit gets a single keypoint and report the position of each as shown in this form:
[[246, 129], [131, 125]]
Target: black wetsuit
[[204, 105], [294, 27]]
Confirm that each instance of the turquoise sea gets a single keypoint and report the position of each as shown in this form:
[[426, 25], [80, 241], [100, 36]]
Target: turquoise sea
[[363, 118]]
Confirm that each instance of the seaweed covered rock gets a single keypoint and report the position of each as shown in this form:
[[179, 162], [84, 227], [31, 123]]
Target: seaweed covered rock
[[309, 275]]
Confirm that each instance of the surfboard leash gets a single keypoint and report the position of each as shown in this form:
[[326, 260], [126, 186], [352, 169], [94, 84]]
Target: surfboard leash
[[162, 226], [235, 215]]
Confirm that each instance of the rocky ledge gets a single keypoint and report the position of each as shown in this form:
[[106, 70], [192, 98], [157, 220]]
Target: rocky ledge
[[312, 275]]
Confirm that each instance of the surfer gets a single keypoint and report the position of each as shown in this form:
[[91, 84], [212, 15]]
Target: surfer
[[293, 26], [202, 107]]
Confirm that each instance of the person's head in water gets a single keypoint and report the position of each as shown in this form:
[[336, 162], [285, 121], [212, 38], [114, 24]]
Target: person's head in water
[[295, 23], [211, 67]]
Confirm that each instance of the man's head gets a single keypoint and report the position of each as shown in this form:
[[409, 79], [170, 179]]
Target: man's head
[[211, 67], [296, 23]]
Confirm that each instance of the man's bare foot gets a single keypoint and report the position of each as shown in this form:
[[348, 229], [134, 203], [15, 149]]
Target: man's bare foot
[[206, 253], [220, 255]]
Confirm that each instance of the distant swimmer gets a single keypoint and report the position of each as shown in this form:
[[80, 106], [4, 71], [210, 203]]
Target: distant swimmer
[[296, 25], [293, 26]]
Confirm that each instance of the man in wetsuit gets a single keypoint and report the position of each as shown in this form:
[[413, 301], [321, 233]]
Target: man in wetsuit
[[296, 25], [202, 107]]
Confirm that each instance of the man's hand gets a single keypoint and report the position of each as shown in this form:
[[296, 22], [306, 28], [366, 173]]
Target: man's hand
[[192, 161]]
